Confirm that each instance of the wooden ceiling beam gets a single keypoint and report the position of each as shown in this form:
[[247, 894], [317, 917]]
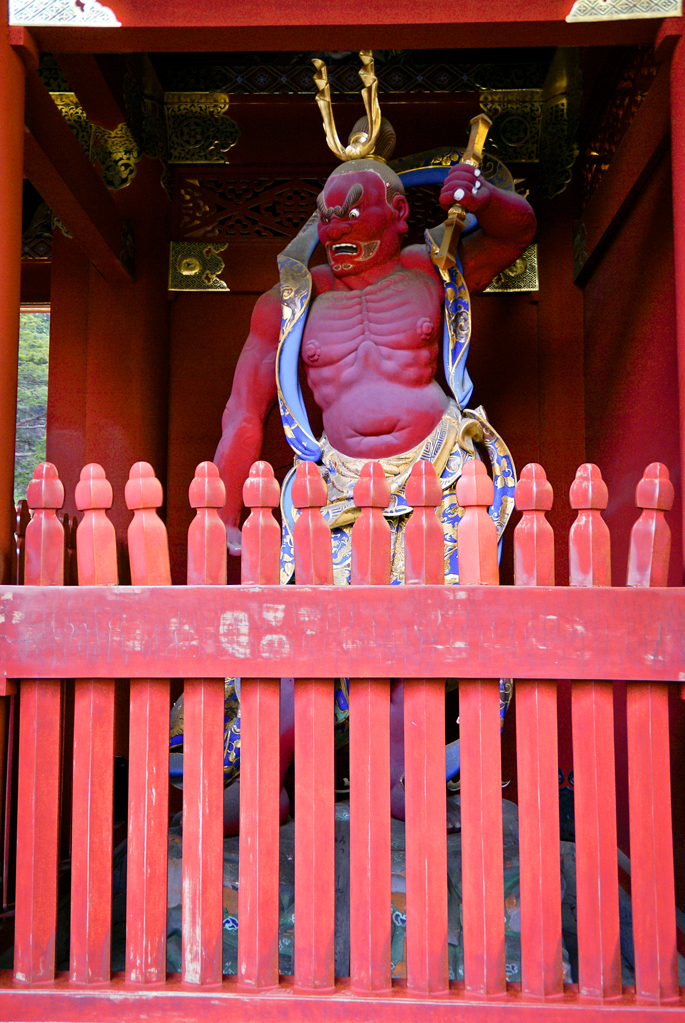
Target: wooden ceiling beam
[[350, 35], [59, 169], [85, 75]]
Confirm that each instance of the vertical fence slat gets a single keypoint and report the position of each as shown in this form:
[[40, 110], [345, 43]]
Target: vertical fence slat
[[259, 757], [148, 782], [649, 776], [424, 761], [39, 755], [93, 754], [599, 950], [203, 718], [314, 777], [537, 760], [481, 759], [370, 861]]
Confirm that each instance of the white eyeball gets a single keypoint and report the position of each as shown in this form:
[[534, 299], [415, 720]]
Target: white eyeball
[[354, 214]]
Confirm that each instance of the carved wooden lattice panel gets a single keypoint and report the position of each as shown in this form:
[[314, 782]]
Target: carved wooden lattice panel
[[634, 81], [219, 206], [265, 207]]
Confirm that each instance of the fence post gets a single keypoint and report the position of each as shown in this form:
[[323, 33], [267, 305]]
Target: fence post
[[481, 759], [203, 721], [40, 728], [259, 756], [148, 784], [599, 948], [649, 775], [424, 759], [22, 519], [93, 754], [314, 779], [537, 760], [370, 863]]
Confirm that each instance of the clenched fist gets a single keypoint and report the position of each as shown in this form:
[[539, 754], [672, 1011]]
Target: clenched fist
[[466, 186]]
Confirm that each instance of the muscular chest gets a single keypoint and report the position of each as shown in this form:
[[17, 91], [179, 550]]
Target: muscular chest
[[401, 311]]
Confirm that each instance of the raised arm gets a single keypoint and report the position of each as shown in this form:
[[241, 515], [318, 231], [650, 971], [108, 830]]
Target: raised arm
[[252, 396], [506, 225]]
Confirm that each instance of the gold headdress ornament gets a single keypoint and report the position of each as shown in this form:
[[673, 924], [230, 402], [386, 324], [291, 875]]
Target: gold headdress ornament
[[362, 143]]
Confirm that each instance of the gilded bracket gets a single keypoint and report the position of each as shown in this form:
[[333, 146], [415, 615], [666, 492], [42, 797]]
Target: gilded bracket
[[199, 129], [517, 121], [115, 152], [195, 266], [623, 10], [539, 126], [520, 276]]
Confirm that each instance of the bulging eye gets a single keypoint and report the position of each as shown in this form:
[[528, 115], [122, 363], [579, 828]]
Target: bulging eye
[[354, 214]]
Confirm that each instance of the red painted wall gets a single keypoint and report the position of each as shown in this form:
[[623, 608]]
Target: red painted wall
[[631, 415], [108, 383]]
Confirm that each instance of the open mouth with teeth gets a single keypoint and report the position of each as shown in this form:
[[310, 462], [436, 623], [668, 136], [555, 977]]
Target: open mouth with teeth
[[345, 249]]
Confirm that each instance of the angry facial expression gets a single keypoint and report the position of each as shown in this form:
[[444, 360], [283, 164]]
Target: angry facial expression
[[359, 228]]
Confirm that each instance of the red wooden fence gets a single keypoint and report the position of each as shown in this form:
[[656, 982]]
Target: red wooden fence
[[424, 631]]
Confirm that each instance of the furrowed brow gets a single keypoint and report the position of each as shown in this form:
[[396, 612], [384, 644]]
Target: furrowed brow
[[353, 196]]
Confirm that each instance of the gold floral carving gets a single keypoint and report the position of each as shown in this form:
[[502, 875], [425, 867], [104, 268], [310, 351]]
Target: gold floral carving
[[520, 276], [517, 120], [195, 266], [116, 152], [199, 129]]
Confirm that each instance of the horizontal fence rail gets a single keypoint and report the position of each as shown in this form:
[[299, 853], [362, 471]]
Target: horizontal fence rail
[[191, 632], [370, 633]]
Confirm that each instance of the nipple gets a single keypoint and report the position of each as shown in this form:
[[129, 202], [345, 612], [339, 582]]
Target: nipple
[[312, 351], [424, 328]]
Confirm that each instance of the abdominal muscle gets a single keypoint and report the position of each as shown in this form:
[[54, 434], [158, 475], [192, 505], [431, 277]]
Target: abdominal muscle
[[370, 358], [377, 419]]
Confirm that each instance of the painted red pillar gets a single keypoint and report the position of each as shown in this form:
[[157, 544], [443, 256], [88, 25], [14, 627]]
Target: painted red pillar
[[678, 160], [11, 181]]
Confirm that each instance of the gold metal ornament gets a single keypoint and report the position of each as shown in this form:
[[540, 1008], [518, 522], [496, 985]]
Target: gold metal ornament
[[199, 129], [361, 144], [195, 266], [456, 217], [522, 275]]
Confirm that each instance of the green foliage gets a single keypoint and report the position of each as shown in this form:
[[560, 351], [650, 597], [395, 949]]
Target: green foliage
[[32, 398]]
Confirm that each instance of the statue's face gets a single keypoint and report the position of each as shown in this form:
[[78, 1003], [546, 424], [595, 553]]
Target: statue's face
[[358, 227]]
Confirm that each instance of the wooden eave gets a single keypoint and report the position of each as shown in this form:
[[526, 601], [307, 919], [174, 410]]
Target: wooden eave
[[204, 25]]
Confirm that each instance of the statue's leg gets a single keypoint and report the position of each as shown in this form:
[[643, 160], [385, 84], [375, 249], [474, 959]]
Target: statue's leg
[[287, 745]]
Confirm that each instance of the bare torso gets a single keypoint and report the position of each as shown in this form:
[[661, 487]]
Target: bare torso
[[370, 356]]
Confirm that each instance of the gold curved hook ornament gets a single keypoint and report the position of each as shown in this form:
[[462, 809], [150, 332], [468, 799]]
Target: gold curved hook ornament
[[362, 143]]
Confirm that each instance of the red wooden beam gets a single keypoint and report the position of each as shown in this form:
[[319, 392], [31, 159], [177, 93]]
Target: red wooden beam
[[148, 779], [11, 181], [645, 142], [678, 163], [125, 1002], [209, 27], [537, 761], [260, 708], [93, 773], [424, 758], [55, 163], [40, 730], [86, 78], [314, 780], [203, 721], [481, 761], [434, 631], [370, 860]]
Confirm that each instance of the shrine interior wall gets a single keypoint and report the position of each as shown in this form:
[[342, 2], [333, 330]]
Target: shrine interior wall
[[631, 417]]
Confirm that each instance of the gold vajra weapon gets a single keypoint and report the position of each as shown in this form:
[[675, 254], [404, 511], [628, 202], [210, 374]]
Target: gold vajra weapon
[[456, 216], [362, 143]]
